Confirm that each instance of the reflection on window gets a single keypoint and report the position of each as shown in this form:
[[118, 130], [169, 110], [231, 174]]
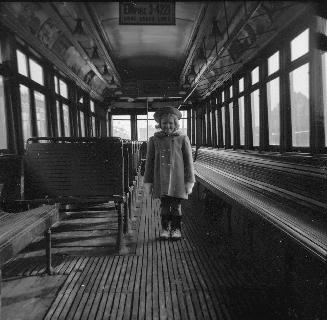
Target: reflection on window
[[22, 63], [255, 75], [223, 116], [324, 72], [255, 117], [241, 84], [36, 72], [65, 110], [230, 106], [241, 118], [26, 112], [299, 88], [63, 89], [40, 110], [300, 45], [121, 126], [273, 111], [58, 118], [3, 121], [273, 63], [82, 123]]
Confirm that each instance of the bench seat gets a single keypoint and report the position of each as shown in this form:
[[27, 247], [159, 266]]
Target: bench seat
[[287, 195], [17, 230]]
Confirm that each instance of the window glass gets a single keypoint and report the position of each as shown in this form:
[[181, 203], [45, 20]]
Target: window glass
[[22, 63], [223, 96], [58, 118], [183, 122], [241, 85], [255, 117], [273, 63], [299, 89], [26, 112], [56, 84], [3, 118], [41, 122], [223, 122], [273, 111], [81, 116], [81, 99], [63, 89], [65, 111], [300, 45], [36, 72], [231, 91], [241, 118], [142, 126], [93, 127], [92, 106], [324, 73], [121, 126], [231, 124], [255, 75]]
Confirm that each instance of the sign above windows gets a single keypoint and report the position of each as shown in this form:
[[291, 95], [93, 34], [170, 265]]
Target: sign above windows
[[147, 13]]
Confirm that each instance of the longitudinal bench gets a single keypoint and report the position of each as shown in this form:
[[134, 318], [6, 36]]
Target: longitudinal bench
[[291, 195]]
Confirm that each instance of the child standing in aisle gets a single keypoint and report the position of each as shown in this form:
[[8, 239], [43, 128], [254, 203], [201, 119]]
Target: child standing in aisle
[[169, 171]]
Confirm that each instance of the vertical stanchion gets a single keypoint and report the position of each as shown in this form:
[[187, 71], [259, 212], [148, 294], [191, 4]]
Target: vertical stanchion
[[48, 251], [120, 225]]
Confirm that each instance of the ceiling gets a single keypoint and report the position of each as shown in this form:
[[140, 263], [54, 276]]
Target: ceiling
[[135, 63]]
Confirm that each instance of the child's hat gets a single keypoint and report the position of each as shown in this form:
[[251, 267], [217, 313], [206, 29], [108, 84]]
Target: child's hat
[[166, 110]]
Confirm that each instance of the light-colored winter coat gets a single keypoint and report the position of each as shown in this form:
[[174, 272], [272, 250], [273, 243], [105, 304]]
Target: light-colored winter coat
[[169, 164]]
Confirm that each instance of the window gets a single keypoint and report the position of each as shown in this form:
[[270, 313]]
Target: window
[[223, 116], [62, 105], [230, 106], [241, 118], [82, 124], [58, 118], [299, 90], [122, 126], [231, 91], [93, 126], [255, 117], [26, 112], [255, 75], [22, 63], [145, 126], [66, 120], [300, 45], [183, 122], [63, 89], [273, 63], [36, 72], [273, 111], [241, 85], [32, 96], [3, 118], [41, 121]]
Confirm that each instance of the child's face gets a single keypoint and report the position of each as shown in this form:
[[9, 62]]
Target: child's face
[[167, 124]]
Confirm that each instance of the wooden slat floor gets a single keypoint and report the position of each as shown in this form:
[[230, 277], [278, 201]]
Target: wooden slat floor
[[195, 278]]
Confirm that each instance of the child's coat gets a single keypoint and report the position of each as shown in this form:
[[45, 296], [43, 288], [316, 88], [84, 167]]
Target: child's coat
[[169, 164]]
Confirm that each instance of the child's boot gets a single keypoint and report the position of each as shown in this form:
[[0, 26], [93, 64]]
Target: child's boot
[[176, 228], [165, 227]]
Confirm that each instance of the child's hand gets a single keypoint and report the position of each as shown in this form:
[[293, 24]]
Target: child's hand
[[189, 187], [148, 188]]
